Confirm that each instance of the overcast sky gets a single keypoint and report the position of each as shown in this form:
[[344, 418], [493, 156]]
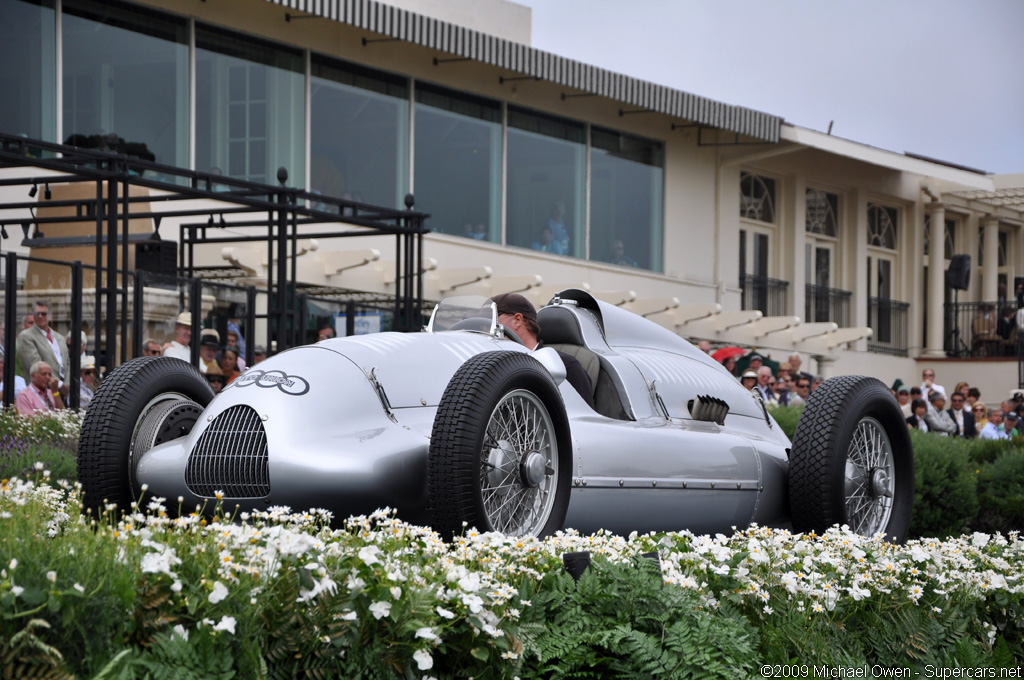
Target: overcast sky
[[940, 78]]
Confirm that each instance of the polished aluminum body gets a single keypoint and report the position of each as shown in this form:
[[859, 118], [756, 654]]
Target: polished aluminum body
[[345, 425]]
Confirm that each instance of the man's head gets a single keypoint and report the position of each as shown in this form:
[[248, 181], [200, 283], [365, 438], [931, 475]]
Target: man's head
[[764, 375], [938, 400], [704, 346], [89, 370], [755, 362], [151, 348], [209, 344], [232, 338], [259, 353], [795, 361], [518, 315], [957, 401], [326, 333], [995, 416], [928, 375], [41, 374], [28, 321], [41, 315], [803, 387], [903, 395], [183, 328], [1009, 420], [546, 236]]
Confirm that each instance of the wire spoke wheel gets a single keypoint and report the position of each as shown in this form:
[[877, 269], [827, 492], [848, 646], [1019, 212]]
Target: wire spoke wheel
[[519, 464], [869, 479]]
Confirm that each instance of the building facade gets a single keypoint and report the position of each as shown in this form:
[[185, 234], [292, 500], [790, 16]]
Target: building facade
[[539, 172]]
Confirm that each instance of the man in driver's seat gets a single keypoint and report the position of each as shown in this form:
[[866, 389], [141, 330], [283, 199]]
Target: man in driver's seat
[[518, 315]]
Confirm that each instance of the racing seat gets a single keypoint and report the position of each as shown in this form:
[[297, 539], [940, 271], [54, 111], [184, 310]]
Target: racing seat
[[560, 330]]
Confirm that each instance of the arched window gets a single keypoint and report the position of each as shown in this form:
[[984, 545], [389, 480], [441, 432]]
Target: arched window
[[882, 226], [757, 197]]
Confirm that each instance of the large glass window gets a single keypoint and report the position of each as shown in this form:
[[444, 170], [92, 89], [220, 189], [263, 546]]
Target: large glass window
[[359, 127], [546, 183], [457, 171], [626, 199], [28, 73], [125, 80], [250, 118]]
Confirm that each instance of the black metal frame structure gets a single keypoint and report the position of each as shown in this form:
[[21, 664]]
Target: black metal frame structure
[[276, 211]]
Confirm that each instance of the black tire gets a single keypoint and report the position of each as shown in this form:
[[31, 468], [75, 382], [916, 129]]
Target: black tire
[[852, 461], [475, 468], [142, 403]]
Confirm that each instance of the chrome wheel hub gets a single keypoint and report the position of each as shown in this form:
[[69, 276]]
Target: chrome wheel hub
[[869, 478]]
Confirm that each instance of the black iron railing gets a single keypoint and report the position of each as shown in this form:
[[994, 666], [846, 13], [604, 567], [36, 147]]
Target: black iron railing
[[827, 304], [888, 319], [980, 329], [765, 294]]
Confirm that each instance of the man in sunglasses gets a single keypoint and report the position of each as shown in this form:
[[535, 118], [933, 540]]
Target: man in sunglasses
[[966, 426], [88, 390]]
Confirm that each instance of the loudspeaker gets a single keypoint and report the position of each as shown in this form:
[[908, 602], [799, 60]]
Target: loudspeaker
[[958, 276], [159, 257]]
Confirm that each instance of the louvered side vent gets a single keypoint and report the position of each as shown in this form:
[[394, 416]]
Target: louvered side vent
[[231, 457]]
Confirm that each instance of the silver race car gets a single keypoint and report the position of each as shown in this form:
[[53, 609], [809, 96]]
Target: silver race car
[[461, 425]]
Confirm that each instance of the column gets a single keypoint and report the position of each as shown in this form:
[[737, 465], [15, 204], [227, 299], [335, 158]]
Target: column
[[826, 366], [990, 270], [936, 278]]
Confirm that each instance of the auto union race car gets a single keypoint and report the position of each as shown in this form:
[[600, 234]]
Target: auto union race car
[[461, 425]]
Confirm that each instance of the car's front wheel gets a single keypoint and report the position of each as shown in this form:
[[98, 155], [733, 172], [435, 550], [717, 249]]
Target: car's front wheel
[[142, 403], [499, 455], [852, 461]]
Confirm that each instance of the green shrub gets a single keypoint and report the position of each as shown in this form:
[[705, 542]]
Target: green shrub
[[945, 490], [787, 417], [1001, 494]]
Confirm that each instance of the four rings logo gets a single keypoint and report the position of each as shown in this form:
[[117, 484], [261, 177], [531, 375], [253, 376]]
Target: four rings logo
[[294, 385]]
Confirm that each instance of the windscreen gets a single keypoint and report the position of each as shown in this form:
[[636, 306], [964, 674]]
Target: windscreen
[[467, 312]]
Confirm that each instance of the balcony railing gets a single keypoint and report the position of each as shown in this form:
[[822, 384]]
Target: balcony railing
[[765, 294], [827, 304], [888, 319], [973, 329]]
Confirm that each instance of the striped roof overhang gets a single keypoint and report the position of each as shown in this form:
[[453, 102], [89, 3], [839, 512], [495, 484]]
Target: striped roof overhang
[[401, 24]]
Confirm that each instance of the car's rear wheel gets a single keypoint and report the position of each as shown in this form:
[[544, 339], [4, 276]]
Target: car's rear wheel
[[500, 450], [852, 461], [142, 403]]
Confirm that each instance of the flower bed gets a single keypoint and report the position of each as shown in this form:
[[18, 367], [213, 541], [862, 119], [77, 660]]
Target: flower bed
[[281, 594]]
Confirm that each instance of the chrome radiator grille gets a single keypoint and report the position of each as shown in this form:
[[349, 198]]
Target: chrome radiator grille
[[231, 457]]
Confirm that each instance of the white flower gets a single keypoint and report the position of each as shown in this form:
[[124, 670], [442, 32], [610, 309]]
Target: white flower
[[426, 633], [369, 554], [350, 616], [470, 583], [980, 540], [423, 659], [380, 609], [445, 613], [79, 588], [219, 592], [396, 592], [474, 602], [17, 590], [51, 576], [13, 564], [226, 623], [180, 631]]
